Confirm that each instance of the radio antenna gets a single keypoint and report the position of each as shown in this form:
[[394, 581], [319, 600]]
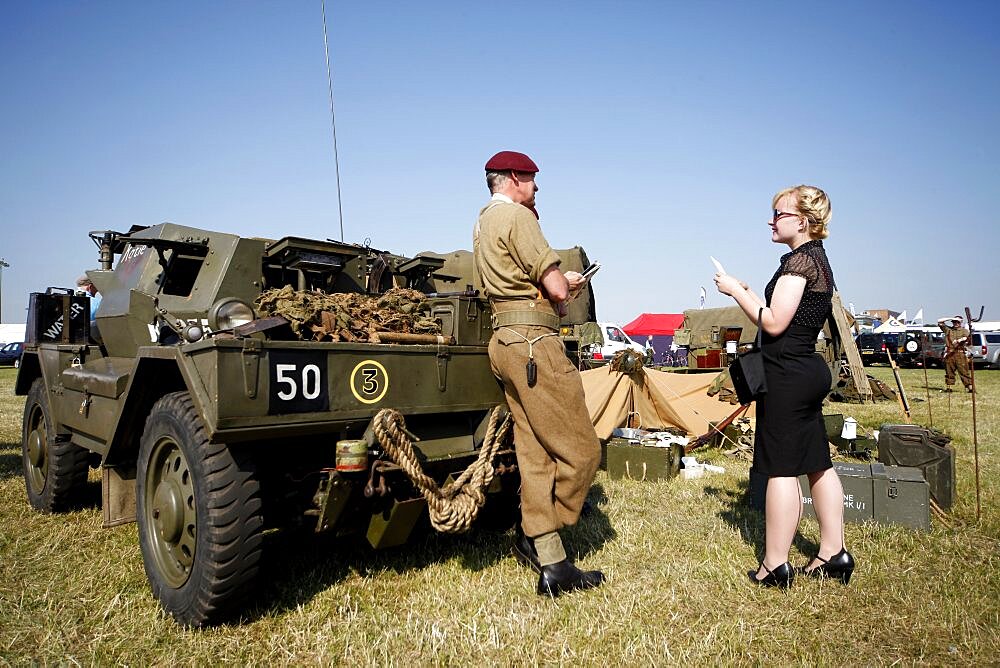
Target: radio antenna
[[333, 119]]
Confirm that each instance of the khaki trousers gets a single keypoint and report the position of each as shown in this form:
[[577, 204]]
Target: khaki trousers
[[957, 361], [557, 449]]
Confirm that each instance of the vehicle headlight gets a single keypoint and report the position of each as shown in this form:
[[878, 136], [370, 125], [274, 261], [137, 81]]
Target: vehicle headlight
[[228, 313]]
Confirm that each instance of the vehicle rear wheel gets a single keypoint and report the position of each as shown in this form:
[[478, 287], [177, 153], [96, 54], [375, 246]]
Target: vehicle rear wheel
[[55, 470], [199, 515]]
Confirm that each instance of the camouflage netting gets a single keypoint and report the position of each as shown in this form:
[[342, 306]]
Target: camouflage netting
[[628, 362], [348, 316]]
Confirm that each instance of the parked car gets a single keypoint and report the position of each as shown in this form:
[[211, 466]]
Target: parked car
[[615, 340], [908, 349], [875, 348], [984, 349], [10, 354]]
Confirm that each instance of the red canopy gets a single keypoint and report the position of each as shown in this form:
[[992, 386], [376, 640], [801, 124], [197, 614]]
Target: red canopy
[[654, 324]]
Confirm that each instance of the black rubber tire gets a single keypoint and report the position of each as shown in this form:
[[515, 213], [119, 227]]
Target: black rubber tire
[[199, 516], [55, 470]]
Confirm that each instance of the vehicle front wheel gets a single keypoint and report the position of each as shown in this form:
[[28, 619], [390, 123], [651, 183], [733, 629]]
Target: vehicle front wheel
[[199, 515], [55, 470]]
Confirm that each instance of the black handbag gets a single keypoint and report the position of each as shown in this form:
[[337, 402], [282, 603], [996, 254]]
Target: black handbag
[[747, 371]]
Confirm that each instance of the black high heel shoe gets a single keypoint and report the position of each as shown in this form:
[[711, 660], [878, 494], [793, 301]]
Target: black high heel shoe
[[839, 566], [781, 577]]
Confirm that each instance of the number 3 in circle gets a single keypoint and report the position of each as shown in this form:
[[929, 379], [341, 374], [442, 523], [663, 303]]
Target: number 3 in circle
[[369, 382]]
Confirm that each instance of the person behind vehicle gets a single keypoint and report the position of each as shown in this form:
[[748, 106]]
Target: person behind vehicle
[[790, 438], [956, 338], [650, 351], [557, 449], [87, 287]]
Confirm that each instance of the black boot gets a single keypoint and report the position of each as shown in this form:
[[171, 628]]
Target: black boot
[[524, 550], [563, 576]]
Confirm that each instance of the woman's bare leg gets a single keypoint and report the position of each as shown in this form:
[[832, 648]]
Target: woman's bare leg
[[828, 501], [781, 519]]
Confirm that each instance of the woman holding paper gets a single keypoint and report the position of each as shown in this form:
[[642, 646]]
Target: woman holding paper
[[790, 438]]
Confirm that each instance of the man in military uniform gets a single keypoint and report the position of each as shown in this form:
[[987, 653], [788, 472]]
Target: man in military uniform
[[956, 338], [557, 449]]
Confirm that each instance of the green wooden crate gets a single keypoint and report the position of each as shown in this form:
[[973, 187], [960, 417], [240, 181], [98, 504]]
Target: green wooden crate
[[642, 462]]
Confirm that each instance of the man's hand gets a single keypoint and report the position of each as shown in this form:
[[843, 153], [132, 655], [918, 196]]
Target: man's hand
[[575, 280]]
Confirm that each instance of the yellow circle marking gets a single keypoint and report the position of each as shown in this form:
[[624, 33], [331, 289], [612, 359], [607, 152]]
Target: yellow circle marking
[[381, 392]]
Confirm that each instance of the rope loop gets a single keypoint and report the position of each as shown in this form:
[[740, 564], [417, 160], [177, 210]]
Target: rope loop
[[452, 507]]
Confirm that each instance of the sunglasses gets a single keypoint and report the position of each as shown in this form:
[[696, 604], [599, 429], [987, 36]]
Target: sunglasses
[[778, 215]]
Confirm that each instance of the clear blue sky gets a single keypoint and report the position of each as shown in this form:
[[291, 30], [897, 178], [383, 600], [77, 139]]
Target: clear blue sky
[[662, 129]]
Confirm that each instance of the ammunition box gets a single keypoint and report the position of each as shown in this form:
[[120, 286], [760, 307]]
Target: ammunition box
[[872, 492], [58, 317], [642, 462], [913, 445], [464, 319]]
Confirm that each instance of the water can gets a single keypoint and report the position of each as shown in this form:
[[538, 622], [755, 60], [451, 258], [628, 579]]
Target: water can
[[352, 456]]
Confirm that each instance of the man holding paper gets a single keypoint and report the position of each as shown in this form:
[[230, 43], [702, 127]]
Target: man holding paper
[[557, 449]]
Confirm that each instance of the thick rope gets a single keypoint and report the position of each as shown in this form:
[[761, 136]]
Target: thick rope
[[453, 507]]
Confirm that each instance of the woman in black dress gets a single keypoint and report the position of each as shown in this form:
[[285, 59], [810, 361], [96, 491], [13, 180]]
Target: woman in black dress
[[790, 438]]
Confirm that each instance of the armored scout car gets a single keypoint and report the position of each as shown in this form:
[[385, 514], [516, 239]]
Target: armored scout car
[[210, 423]]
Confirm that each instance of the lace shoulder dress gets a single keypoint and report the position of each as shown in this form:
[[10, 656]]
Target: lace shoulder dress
[[791, 438]]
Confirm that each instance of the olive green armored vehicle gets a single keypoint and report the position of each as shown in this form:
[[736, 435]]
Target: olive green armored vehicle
[[212, 422]]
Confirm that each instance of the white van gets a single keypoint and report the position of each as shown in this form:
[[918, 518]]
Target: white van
[[615, 339]]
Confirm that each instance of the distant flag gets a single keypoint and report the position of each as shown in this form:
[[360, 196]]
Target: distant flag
[[902, 317], [851, 306], [919, 316], [701, 301]]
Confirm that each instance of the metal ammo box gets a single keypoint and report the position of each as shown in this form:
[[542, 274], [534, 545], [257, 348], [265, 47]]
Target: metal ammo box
[[913, 445], [872, 492], [642, 462]]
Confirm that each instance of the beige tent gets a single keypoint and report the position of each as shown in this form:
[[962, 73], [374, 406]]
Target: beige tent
[[658, 399]]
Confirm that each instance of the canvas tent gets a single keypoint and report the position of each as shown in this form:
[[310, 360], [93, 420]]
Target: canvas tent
[[659, 326], [655, 400]]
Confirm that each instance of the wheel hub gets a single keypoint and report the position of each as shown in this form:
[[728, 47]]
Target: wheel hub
[[168, 511], [36, 449]]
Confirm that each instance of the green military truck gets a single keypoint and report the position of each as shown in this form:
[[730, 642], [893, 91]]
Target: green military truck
[[211, 422]]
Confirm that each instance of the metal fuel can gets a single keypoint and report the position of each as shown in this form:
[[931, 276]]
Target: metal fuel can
[[352, 456]]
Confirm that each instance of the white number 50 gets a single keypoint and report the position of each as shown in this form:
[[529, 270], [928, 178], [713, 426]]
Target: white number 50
[[310, 381]]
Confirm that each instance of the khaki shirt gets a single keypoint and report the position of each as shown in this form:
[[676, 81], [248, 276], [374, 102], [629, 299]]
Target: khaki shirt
[[509, 252], [953, 336]]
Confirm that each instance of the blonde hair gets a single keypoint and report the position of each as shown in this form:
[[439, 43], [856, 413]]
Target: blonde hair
[[813, 204]]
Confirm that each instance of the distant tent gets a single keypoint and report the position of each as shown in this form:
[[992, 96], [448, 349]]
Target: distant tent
[[655, 324], [659, 326], [890, 326], [653, 399]]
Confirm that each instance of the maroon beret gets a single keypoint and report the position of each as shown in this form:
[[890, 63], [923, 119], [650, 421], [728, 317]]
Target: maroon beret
[[512, 160]]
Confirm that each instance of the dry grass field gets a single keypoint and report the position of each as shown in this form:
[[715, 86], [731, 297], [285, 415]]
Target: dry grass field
[[675, 554]]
